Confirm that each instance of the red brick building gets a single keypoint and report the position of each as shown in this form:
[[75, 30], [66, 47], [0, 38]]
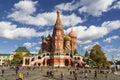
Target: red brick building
[[57, 50]]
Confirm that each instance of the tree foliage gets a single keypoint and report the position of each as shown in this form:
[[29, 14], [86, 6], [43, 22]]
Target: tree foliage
[[87, 54], [27, 54], [40, 51], [18, 57], [98, 56], [76, 51]]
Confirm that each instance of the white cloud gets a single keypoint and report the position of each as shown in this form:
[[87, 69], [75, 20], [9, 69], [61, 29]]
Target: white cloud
[[111, 25], [87, 48], [29, 44], [68, 6], [86, 35], [109, 39], [116, 6], [94, 7], [37, 48], [90, 46], [110, 49], [23, 15], [72, 19], [26, 6], [10, 31]]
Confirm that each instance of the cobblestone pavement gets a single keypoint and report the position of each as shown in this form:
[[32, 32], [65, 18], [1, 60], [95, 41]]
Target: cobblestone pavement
[[40, 74]]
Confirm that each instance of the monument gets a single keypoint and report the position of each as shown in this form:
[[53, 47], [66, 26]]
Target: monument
[[57, 49]]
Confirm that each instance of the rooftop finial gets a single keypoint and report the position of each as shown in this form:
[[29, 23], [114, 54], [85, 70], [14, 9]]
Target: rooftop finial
[[58, 13]]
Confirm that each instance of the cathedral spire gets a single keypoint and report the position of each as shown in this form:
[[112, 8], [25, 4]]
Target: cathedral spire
[[58, 13], [58, 24], [58, 21]]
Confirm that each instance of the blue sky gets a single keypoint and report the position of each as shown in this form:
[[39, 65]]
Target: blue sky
[[24, 22]]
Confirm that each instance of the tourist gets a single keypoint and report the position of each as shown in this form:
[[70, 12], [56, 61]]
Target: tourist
[[75, 76], [3, 72], [62, 75], [89, 71], [28, 70], [51, 74], [106, 74], [95, 75], [73, 72], [48, 73], [70, 73], [85, 75], [20, 76], [16, 70]]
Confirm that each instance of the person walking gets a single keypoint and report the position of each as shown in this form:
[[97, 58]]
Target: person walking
[[95, 75], [20, 76], [3, 72], [16, 70], [70, 73], [85, 75], [106, 74], [28, 70], [48, 73], [62, 76], [75, 76]]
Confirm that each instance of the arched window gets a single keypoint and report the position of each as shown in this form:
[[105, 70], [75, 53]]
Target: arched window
[[66, 62], [27, 61], [75, 58], [39, 64], [39, 57], [71, 55], [35, 64], [32, 59], [47, 54], [67, 54], [43, 55]]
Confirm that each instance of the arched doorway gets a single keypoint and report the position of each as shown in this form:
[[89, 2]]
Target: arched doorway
[[43, 62], [48, 62], [78, 65], [66, 62], [39, 57], [27, 61], [35, 64], [39, 64]]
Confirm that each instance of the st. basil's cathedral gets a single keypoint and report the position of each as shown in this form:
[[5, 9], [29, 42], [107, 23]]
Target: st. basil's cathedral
[[57, 49]]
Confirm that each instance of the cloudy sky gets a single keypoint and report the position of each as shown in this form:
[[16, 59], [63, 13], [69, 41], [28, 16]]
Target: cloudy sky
[[24, 22]]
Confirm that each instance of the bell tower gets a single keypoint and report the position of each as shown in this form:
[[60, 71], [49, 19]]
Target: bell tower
[[58, 36]]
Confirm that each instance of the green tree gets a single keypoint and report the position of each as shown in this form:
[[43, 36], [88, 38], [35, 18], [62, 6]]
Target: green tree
[[27, 54], [98, 56], [87, 54], [18, 57], [40, 51], [75, 52], [86, 58]]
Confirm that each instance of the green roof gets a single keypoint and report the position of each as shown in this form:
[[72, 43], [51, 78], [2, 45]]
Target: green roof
[[67, 38], [21, 49]]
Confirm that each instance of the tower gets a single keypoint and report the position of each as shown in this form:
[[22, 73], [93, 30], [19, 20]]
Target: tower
[[58, 36], [73, 36]]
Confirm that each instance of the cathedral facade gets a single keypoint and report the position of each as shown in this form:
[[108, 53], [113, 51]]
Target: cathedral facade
[[57, 49]]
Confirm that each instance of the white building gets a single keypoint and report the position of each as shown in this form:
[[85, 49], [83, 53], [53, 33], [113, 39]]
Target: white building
[[4, 58]]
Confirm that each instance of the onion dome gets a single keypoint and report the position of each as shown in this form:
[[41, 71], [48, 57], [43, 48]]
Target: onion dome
[[73, 34], [48, 38], [67, 38]]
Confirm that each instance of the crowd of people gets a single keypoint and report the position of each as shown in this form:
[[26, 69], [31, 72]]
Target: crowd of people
[[76, 73]]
